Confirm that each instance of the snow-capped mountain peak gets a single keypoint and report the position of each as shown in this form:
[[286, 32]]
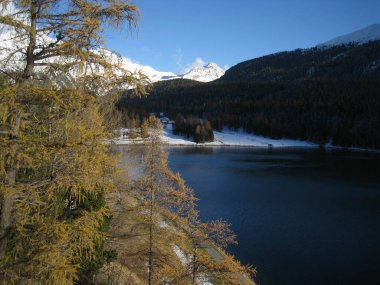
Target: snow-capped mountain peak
[[153, 74], [11, 59], [211, 65], [361, 36], [205, 73]]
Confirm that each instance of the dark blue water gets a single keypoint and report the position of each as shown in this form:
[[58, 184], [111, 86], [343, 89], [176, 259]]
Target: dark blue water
[[301, 216]]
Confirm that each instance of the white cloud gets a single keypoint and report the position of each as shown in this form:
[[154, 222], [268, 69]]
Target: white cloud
[[198, 62], [226, 66], [177, 57]]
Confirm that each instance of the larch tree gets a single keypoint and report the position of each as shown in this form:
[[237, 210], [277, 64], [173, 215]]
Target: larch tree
[[207, 257], [65, 38], [166, 200], [155, 191], [205, 243], [54, 167]]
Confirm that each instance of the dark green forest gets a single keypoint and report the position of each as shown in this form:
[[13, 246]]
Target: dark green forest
[[336, 62], [192, 126], [321, 95]]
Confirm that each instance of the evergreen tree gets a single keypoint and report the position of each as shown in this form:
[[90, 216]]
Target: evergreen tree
[[144, 129]]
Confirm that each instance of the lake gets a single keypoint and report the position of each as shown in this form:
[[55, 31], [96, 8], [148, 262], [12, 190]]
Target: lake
[[302, 216]]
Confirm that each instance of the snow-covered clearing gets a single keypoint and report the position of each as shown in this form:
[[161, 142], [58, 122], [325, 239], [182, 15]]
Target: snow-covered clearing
[[223, 138]]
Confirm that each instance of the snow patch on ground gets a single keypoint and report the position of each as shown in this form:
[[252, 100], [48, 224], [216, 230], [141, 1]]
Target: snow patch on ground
[[165, 225], [185, 261], [223, 138], [181, 255]]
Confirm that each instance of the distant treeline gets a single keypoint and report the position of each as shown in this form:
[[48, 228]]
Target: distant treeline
[[199, 130], [346, 112], [318, 94], [337, 62]]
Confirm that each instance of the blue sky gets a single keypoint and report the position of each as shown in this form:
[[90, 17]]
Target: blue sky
[[172, 35]]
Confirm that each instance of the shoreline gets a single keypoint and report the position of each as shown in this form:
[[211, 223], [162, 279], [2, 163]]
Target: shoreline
[[326, 148], [311, 147], [234, 139], [223, 138]]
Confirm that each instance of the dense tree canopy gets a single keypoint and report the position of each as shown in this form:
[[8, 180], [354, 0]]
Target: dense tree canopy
[[55, 170], [319, 94], [342, 62]]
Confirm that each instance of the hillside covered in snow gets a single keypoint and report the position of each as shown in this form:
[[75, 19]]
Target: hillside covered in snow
[[224, 137], [10, 44], [206, 73], [362, 36]]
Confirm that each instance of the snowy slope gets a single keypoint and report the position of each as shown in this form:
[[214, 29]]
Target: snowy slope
[[206, 73], [9, 44], [153, 74], [223, 138], [362, 36]]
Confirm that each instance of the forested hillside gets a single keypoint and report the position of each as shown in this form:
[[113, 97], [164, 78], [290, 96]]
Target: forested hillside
[[320, 95], [337, 62]]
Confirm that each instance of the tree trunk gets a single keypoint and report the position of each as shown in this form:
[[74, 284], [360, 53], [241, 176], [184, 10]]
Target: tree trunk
[[6, 210], [194, 273], [30, 57], [6, 221], [7, 200], [150, 261]]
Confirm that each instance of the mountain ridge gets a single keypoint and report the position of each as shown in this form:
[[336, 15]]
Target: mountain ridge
[[203, 73], [206, 73], [9, 43], [361, 36], [323, 95], [335, 62]]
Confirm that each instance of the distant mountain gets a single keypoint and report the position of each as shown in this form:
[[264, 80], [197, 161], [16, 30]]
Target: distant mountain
[[206, 73], [322, 95], [153, 74], [362, 36], [9, 44], [335, 62]]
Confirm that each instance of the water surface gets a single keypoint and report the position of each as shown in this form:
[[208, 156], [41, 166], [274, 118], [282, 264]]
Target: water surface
[[301, 216]]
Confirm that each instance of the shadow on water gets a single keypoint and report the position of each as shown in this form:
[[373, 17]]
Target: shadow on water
[[302, 216]]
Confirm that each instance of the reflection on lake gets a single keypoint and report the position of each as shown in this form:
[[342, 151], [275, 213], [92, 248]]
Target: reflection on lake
[[301, 216]]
